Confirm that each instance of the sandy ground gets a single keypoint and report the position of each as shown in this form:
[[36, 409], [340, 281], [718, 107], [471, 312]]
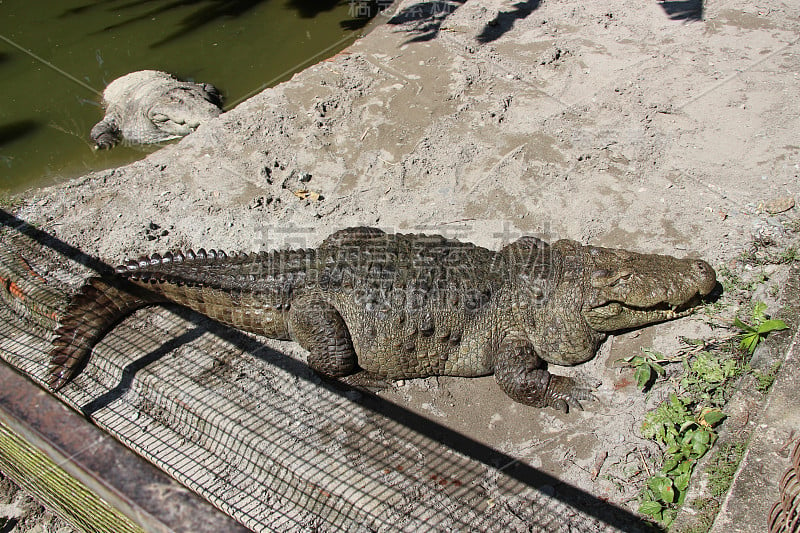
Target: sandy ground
[[633, 126]]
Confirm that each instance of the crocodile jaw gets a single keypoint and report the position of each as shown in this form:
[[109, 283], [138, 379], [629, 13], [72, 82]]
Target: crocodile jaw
[[617, 316]]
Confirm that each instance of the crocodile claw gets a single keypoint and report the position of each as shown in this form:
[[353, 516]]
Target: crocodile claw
[[564, 393]]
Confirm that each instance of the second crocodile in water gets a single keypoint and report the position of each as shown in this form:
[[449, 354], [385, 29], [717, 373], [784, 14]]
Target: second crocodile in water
[[370, 304]]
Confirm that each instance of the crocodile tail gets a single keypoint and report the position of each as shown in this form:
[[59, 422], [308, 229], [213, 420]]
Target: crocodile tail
[[93, 311]]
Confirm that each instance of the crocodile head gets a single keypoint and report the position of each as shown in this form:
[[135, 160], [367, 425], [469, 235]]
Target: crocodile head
[[627, 290]]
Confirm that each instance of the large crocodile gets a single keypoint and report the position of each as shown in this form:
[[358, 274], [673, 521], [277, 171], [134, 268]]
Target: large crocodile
[[367, 303]]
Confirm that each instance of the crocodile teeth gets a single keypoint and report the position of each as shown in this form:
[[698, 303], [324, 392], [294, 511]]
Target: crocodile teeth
[[190, 254], [155, 259], [167, 258], [201, 253], [212, 254], [144, 261], [179, 257], [131, 265]]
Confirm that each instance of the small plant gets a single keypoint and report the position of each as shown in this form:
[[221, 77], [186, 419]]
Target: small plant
[[752, 335], [685, 424], [766, 379], [789, 255], [648, 366], [729, 279], [722, 467], [687, 437], [709, 377]]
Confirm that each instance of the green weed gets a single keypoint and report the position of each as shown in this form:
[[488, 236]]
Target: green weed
[[764, 380], [688, 434], [753, 335]]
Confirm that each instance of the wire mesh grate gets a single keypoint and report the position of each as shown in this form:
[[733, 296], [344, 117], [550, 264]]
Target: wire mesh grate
[[785, 514]]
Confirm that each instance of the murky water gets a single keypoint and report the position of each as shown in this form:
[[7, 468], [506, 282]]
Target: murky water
[[57, 56]]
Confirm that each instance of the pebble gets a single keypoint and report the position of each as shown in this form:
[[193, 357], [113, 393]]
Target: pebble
[[778, 205]]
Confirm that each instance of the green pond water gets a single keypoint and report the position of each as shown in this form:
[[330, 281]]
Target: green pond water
[[57, 56]]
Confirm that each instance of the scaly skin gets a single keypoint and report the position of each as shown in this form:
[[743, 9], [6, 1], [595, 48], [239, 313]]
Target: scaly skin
[[406, 306]]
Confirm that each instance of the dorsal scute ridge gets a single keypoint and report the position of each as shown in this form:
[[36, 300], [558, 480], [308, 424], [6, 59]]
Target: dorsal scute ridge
[[130, 266]]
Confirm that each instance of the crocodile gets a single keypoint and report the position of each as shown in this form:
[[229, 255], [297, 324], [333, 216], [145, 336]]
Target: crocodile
[[149, 106], [371, 305]]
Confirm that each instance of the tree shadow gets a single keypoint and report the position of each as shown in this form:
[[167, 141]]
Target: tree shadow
[[308, 9], [204, 15], [204, 12], [362, 12], [683, 9], [426, 18], [505, 20], [17, 130]]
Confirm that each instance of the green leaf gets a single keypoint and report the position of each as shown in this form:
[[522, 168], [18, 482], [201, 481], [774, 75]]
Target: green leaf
[[681, 496], [650, 508], [771, 325], [672, 449], [741, 325], [699, 449], [750, 341], [758, 311], [634, 360], [682, 481], [669, 465], [658, 368], [702, 436], [642, 375], [713, 417], [667, 492], [673, 399], [685, 468]]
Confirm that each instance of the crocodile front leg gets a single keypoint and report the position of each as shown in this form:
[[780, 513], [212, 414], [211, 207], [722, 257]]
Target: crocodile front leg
[[518, 371], [319, 328]]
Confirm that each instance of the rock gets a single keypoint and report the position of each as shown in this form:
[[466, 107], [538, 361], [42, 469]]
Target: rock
[[777, 205]]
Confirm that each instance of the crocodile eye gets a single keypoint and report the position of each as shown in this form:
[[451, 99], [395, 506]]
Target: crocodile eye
[[622, 276], [604, 278]]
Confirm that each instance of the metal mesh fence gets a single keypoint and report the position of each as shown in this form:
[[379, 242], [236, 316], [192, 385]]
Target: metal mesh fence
[[784, 517], [244, 423]]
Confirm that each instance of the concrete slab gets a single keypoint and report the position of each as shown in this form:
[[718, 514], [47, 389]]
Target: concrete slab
[[755, 488]]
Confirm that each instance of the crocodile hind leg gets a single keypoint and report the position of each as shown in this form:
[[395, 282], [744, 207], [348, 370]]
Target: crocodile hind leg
[[319, 328], [518, 371], [93, 311]]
